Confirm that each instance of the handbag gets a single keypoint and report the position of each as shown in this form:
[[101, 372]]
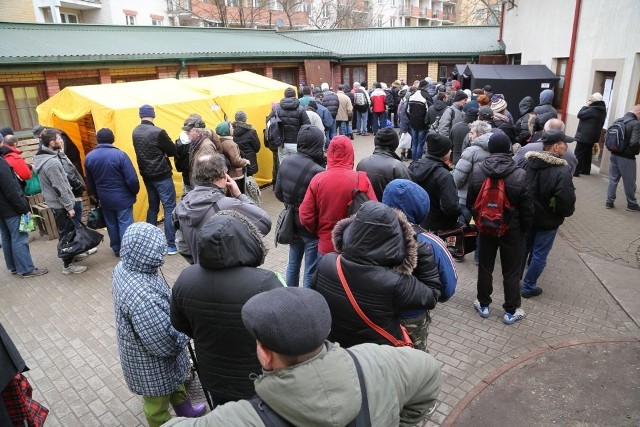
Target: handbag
[[32, 186], [78, 240], [461, 240], [95, 218], [406, 339], [285, 226]]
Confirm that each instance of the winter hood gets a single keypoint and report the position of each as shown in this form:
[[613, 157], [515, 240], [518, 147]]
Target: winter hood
[[408, 197], [143, 248], [546, 96], [498, 165], [228, 240], [340, 153], [526, 105], [543, 160], [191, 210], [377, 235], [311, 143]]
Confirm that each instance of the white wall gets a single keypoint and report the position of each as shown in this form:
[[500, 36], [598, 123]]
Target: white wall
[[111, 12], [608, 40]]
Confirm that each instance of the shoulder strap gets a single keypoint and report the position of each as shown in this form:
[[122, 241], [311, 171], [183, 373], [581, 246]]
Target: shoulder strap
[[364, 418], [269, 417], [393, 340], [303, 174]]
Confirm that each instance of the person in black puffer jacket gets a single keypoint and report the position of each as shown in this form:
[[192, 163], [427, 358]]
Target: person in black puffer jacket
[[433, 173], [500, 165], [293, 117], [247, 139], [384, 165], [592, 117], [523, 132], [207, 299], [293, 179], [378, 252]]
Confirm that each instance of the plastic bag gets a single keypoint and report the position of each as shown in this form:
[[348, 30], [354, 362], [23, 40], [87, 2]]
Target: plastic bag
[[78, 240], [27, 223], [405, 141]]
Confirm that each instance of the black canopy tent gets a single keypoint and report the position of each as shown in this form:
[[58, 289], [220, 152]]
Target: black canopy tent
[[513, 81]]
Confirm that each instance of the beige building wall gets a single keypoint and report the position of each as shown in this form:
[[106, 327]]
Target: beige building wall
[[600, 48], [17, 11], [467, 12]]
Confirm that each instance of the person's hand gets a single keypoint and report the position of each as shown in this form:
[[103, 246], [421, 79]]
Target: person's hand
[[71, 213], [232, 186]]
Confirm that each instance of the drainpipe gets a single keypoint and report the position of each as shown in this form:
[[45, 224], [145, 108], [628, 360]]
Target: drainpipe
[[569, 72], [501, 21], [183, 64]]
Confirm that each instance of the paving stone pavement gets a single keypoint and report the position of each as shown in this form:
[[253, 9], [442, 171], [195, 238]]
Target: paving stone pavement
[[64, 325]]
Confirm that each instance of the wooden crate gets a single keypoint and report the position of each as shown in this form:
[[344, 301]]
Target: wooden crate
[[46, 224]]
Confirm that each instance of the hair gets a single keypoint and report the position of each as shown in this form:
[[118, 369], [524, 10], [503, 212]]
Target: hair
[[48, 135], [208, 168], [442, 96], [478, 91], [554, 124], [483, 100], [11, 140], [531, 123], [341, 87], [481, 127], [636, 109], [306, 90]]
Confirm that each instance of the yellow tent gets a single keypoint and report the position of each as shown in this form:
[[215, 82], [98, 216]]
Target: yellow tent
[[115, 106]]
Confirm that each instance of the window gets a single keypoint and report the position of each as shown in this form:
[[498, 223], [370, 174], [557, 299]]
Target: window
[[479, 15], [286, 75], [515, 59], [18, 105], [69, 18], [156, 22], [277, 5], [442, 71], [324, 12], [561, 69], [380, 21], [493, 17], [355, 73], [130, 19]]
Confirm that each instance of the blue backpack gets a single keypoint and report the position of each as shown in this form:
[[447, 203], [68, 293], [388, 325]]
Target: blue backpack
[[446, 265]]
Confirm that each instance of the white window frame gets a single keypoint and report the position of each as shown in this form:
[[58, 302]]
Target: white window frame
[[157, 22], [64, 18], [130, 19]]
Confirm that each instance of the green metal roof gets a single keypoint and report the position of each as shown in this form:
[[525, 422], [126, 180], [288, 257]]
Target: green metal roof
[[70, 43], [404, 42], [29, 44]]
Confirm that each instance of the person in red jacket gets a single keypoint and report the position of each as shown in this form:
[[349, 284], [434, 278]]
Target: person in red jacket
[[12, 155], [378, 108], [329, 193]]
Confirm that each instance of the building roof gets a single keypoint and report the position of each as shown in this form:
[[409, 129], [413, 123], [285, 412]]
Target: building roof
[[72, 43], [30, 44], [510, 72], [404, 42]]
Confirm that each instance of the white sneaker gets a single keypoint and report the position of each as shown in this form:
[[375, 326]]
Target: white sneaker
[[510, 319], [92, 251], [74, 269]]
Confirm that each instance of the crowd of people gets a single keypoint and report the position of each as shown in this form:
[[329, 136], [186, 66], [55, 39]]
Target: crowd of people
[[311, 354]]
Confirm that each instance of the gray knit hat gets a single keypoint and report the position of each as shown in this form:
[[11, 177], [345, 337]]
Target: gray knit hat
[[289, 321], [241, 116]]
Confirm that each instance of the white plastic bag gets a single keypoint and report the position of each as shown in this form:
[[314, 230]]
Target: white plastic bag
[[405, 141]]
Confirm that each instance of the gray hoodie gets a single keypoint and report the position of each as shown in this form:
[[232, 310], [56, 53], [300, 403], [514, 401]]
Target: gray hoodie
[[475, 153], [56, 189]]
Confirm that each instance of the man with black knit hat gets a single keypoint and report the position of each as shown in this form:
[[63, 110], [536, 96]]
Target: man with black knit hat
[[384, 165], [293, 117], [433, 173], [518, 218], [307, 380], [453, 114], [153, 148], [554, 199], [113, 180]]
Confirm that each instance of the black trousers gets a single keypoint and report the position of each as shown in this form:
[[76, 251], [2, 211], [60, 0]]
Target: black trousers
[[583, 153], [64, 224], [511, 253]]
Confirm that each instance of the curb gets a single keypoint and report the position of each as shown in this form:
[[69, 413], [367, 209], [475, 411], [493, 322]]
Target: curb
[[492, 377]]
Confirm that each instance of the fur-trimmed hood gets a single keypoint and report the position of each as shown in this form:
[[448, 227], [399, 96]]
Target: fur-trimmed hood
[[544, 159], [377, 235], [228, 239]]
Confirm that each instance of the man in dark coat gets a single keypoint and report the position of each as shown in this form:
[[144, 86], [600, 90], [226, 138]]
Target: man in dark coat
[[500, 165], [417, 110], [208, 297], [293, 117], [153, 148], [15, 243], [248, 142], [114, 182], [623, 164], [592, 117], [554, 199], [293, 179], [433, 173], [384, 165]]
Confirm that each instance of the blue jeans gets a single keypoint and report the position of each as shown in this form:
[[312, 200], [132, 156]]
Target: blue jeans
[[361, 121], [539, 244], [162, 191], [418, 137], [345, 128], [330, 132], [299, 247], [117, 221], [621, 167], [378, 120], [15, 246]]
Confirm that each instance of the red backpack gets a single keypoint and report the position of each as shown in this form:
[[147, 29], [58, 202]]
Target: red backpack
[[492, 208]]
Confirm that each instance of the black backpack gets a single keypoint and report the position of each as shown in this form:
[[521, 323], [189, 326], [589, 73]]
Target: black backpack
[[614, 139], [273, 131], [270, 418]]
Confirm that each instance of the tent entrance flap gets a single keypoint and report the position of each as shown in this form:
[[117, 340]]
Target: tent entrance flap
[[318, 71]]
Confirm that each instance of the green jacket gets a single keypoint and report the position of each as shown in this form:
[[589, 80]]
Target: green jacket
[[402, 386]]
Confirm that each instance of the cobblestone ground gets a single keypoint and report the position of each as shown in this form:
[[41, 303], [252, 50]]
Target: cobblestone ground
[[64, 325]]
